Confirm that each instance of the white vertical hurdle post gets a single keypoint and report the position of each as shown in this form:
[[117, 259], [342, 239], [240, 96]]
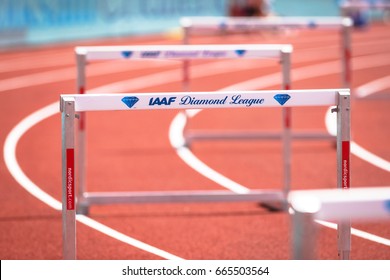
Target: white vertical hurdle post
[[186, 64], [81, 62], [68, 179], [346, 52], [343, 167], [72, 104], [186, 76], [286, 127]]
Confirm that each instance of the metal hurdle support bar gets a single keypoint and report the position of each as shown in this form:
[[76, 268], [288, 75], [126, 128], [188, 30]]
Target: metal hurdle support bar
[[364, 204], [281, 53], [72, 105]]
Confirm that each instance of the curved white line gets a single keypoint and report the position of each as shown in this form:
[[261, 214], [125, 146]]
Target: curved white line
[[68, 73], [125, 238], [177, 141], [359, 233], [373, 87], [11, 162], [366, 155]]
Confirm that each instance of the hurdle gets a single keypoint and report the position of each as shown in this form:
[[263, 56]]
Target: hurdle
[[278, 52], [72, 105], [358, 204], [192, 25]]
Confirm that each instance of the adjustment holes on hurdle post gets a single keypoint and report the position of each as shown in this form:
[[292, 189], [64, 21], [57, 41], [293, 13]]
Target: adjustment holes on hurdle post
[[334, 110]]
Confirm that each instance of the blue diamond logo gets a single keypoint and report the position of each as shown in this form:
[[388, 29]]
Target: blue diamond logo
[[130, 101], [282, 98], [127, 54], [240, 52]]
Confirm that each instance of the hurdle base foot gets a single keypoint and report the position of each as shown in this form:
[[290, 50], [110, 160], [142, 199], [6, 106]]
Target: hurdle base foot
[[82, 209], [274, 206]]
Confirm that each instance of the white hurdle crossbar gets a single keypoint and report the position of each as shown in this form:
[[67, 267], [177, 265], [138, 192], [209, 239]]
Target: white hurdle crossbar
[[279, 52], [363, 204], [72, 105], [223, 24]]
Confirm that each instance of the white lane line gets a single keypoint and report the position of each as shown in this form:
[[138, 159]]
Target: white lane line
[[373, 87], [11, 162], [175, 75], [221, 67], [110, 67], [366, 155], [359, 233], [177, 140], [126, 239], [35, 62], [29, 60], [176, 129], [313, 71], [69, 73]]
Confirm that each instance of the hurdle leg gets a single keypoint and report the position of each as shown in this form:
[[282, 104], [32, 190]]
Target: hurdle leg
[[186, 80], [82, 205], [343, 169], [68, 179], [346, 55], [286, 137], [304, 235]]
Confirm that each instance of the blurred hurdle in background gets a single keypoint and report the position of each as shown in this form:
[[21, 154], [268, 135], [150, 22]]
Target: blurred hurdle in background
[[72, 105], [361, 12], [359, 204], [280, 53], [201, 25]]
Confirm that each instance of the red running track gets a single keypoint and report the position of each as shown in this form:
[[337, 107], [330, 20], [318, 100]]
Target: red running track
[[133, 152]]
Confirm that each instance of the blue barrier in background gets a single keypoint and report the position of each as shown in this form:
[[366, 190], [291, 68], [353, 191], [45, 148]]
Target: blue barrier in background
[[44, 21]]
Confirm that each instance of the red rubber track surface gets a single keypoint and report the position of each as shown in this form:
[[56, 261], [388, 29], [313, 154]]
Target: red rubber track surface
[[132, 152]]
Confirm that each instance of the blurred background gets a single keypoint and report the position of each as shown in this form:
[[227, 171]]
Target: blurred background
[[46, 21]]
